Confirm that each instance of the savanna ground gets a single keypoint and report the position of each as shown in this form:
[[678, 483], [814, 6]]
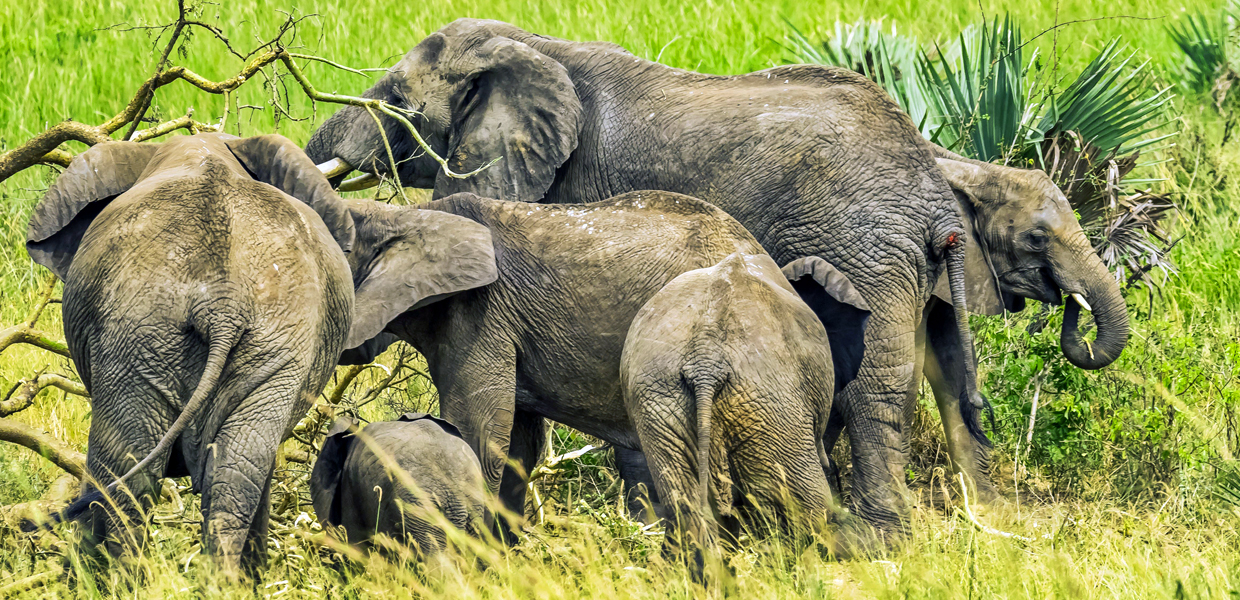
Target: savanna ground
[[1121, 481]]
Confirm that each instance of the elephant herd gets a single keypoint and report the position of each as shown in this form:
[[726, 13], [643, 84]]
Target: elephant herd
[[715, 275]]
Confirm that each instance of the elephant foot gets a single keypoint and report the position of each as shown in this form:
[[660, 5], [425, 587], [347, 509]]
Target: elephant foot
[[854, 538], [641, 507]]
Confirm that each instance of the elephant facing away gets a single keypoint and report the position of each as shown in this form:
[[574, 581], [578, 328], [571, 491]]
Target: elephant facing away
[[206, 301], [728, 376], [544, 339], [813, 161], [402, 478]]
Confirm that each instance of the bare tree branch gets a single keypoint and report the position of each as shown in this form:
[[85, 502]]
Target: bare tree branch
[[22, 395], [36, 150], [70, 460]]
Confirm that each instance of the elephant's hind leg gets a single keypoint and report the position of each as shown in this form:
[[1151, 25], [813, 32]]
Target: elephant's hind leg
[[130, 413], [236, 499], [666, 429]]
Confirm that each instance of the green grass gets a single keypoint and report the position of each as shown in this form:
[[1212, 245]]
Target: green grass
[[1124, 463]]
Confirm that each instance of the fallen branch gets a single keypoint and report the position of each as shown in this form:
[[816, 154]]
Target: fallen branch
[[29, 583], [22, 395], [968, 514], [70, 460], [548, 467], [26, 333]]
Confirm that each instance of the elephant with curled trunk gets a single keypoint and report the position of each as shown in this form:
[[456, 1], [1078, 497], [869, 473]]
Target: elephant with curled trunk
[[1034, 248], [206, 302], [542, 337], [813, 161]]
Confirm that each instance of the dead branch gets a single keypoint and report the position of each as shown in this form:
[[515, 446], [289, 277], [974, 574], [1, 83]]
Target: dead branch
[[22, 395], [26, 333], [187, 123], [70, 460], [43, 148]]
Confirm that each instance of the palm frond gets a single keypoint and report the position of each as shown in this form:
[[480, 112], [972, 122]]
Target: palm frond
[[1203, 39], [977, 91], [887, 58]]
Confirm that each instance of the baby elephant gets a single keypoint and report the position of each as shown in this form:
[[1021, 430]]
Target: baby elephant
[[393, 477], [728, 375]]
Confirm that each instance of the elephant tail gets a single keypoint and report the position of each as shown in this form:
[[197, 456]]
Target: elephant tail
[[220, 346], [704, 391], [973, 422]]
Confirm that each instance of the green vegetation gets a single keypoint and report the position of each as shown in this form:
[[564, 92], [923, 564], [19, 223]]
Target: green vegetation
[[1125, 481]]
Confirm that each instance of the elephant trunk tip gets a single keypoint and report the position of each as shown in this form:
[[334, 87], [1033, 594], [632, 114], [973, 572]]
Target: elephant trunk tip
[[1111, 319]]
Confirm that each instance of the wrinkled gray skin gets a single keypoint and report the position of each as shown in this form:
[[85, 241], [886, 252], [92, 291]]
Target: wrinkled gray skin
[[814, 161], [205, 305], [1037, 250], [728, 377], [353, 485], [543, 341]]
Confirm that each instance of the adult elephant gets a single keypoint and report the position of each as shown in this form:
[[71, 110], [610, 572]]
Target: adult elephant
[[814, 161], [208, 296], [544, 339], [1035, 249], [206, 301]]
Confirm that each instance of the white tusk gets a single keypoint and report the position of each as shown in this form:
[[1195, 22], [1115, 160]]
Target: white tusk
[[359, 183], [1081, 300], [335, 167]]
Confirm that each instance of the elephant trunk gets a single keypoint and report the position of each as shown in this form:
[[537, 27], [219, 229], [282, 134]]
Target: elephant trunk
[[956, 280], [1101, 292]]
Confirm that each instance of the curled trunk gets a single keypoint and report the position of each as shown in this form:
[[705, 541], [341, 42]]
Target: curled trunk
[[1101, 291]]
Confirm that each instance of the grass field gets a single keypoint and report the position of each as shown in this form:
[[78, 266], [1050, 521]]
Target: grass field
[[1119, 490]]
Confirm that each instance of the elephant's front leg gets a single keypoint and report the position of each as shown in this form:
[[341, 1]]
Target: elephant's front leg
[[874, 408], [641, 497], [476, 379], [525, 449], [967, 445]]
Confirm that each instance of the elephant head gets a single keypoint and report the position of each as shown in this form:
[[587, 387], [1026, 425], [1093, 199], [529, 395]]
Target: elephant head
[[107, 170], [478, 96], [405, 258], [1033, 247]]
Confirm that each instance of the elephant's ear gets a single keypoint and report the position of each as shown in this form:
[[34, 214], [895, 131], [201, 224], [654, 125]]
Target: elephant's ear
[[274, 160], [520, 107], [329, 469], [449, 428], [970, 183], [842, 310], [422, 256], [368, 351], [93, 179]]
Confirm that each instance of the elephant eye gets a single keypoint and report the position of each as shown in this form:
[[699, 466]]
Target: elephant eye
[[1038, 239]]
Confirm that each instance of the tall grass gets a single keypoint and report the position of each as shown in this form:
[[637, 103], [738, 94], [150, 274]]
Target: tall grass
[[1121, 472]]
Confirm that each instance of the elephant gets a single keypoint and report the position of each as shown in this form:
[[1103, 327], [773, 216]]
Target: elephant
[[1034, 248], [543, 339], [814, 161], [354, 484], [728, 376], [206, 301]]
